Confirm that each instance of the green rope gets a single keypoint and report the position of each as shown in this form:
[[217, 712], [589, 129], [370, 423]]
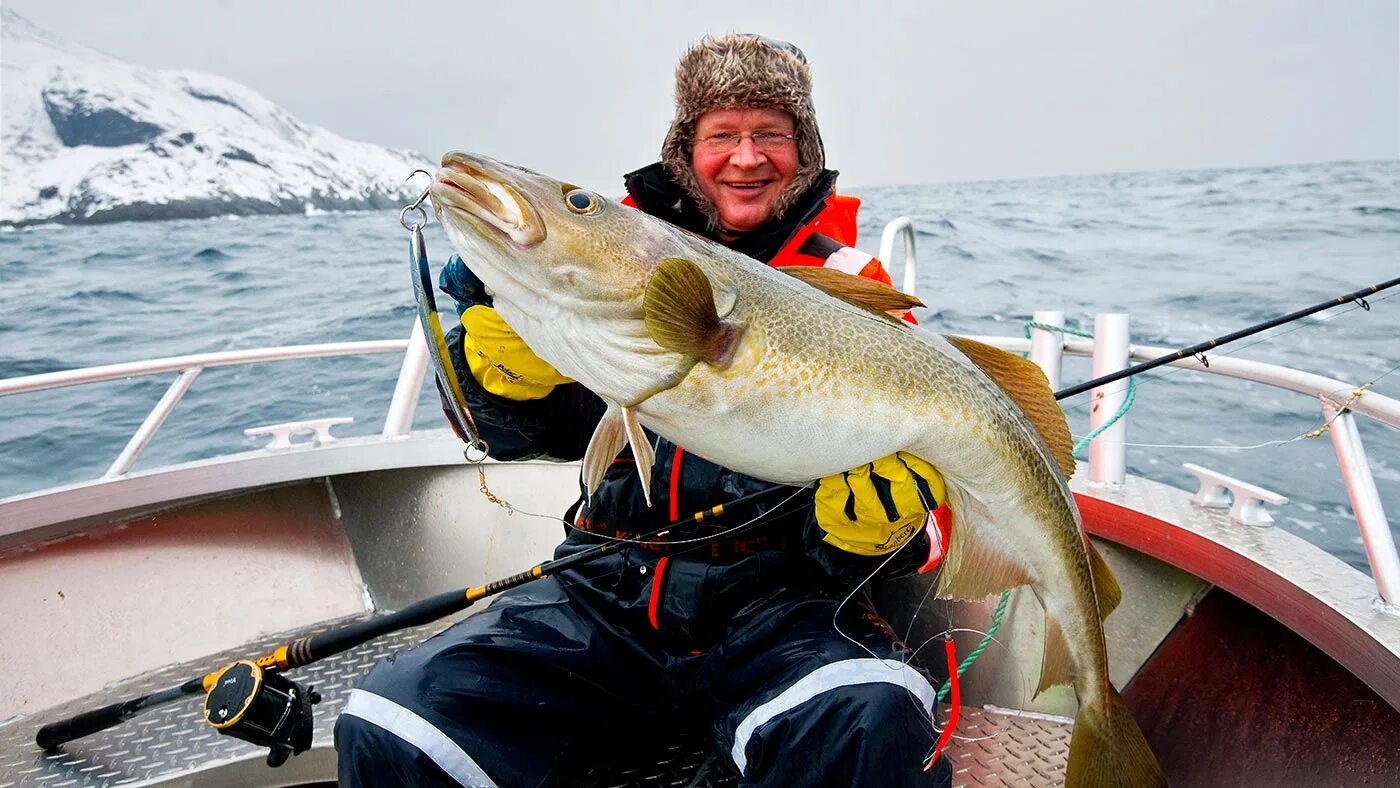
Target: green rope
[[1078, 447], [1127, 401], [1057, 329], [977, 652]]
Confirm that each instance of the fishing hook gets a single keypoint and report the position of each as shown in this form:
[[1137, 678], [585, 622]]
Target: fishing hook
[[417, 204]]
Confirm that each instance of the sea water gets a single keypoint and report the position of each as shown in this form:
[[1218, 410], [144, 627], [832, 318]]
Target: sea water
[[1189, 255]]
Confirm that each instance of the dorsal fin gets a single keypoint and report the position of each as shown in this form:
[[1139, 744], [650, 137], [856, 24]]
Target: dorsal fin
[[679, 307], [876, 297], [1025, 383]]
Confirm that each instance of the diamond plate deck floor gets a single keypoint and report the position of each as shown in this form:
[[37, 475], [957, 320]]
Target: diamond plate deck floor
[[992, 748], [172, 745]]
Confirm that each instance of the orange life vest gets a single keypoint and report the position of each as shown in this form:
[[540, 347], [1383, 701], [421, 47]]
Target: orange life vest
[[828, 240]]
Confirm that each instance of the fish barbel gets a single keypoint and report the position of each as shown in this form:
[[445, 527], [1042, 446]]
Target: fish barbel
[[791, 375]]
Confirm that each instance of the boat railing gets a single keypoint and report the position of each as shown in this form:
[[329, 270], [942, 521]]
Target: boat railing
[[902, 227], [1111, 351], [1109, 348], [189, 367]]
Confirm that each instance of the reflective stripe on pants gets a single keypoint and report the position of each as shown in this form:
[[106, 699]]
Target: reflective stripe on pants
[[845, 673], [420, 733]]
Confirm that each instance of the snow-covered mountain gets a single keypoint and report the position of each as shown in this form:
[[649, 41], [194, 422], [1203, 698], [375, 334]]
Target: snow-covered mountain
[[88, 138]]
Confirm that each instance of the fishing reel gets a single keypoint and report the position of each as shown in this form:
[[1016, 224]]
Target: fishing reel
[[263, 707]]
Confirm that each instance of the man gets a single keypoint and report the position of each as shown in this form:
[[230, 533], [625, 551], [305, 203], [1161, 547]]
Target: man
[[759, 634]]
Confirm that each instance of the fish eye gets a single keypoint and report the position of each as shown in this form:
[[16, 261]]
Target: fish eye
[[582, 202]]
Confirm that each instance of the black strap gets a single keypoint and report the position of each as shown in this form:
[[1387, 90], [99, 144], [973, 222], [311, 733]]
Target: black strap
[[820, 246]]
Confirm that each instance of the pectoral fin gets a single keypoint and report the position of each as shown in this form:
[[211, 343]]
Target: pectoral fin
[[680, 313], [1025, 383], [875, 297], [974, 568]]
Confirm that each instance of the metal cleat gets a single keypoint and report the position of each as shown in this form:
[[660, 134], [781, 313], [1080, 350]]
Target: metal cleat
[[1246, 501], [282, 433]]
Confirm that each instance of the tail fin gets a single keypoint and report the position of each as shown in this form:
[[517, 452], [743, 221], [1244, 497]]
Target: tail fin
[[1108, 749]]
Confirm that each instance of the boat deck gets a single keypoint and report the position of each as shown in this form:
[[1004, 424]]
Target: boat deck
[[172, 745]]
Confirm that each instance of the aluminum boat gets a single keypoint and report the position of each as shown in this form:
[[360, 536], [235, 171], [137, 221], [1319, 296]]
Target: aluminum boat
[[1248, 655]]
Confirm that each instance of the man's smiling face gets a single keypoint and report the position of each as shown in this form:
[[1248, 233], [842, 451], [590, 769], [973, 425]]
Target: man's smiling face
[[744, 182]]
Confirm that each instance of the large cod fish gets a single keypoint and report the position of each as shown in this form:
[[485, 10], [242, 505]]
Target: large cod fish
[[794, 374]]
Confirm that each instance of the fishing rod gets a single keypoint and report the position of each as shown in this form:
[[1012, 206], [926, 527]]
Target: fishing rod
[[251, 700], [1199, 349]]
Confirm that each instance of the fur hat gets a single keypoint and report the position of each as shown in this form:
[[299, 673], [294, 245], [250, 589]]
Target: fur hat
[[743, 70]]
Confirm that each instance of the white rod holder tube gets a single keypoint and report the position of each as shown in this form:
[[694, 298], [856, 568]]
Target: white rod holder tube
[[399, 421], [1365, 501], [902, 226], [1107, 460], [154, 419], [1047, 347]]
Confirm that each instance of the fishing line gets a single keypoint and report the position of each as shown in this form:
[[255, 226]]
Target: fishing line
[[706, 539], [919, 608], [1355, 393], [511, 509], [1302, 324], [1146, 379], [1200, 349], [835, 625], [753, 522], [933, 721], [1265, 444], [858, 586], [1383, 374]]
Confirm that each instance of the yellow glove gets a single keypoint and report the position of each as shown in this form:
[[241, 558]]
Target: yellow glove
[[865, 515], [501, 361]]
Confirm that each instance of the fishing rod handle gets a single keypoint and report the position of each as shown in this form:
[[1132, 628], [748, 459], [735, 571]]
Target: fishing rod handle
[[90, 722], [85, 724]]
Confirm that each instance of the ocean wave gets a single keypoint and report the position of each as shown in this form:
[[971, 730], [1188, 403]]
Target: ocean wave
[[1042, 255], [1284, 234], [106, 295], [953, 250], [1019, 223], [210, 254], [933, 227], [23, 367]]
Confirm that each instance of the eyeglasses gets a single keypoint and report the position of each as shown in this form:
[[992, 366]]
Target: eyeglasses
[[728, 141]]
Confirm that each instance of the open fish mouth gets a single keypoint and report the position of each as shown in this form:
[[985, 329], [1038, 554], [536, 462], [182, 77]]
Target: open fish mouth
[[465, 187]]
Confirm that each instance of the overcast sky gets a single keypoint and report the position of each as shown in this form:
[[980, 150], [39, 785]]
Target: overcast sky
[[906, 92]]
